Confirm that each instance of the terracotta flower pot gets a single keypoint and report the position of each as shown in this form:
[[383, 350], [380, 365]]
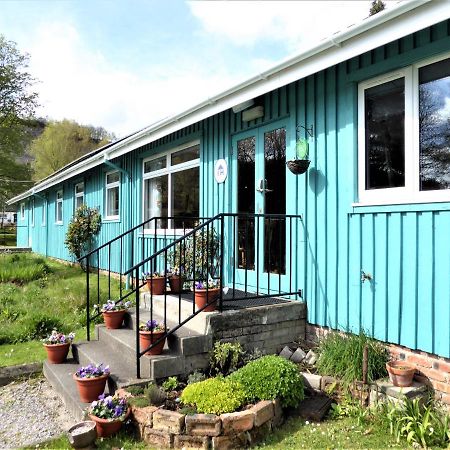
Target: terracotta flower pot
[[156, 285], [113, 319], [57, 353], [90, 388], [146, 338], [107, 427], [203, 297], [176, 284], [401, 373]]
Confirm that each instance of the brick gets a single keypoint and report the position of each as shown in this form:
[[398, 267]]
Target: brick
[[143, 416], [312, 381], [191, 442], [263, 412], [158, 438], [259, 433], [237, 422], [203, 425], [277, 413], [442, 365], [122, 393], [230, 442], [169, 421], [446, 398], [442, 387], [432, 374], [419, 360]]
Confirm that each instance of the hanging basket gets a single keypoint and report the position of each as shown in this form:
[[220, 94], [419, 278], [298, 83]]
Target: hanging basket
[[298, 166]]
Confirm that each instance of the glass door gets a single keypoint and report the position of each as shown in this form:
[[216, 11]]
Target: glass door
[[260, 248]]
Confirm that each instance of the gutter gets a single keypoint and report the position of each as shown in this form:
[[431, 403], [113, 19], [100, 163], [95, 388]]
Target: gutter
[[126, 145]]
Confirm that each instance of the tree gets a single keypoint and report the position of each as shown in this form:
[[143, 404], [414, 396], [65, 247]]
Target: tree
[[17, 106], [377, 6], [62, 142]]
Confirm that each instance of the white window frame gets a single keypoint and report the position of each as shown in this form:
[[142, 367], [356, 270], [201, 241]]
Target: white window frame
[[44, 212], [32, 211], [22, 211], [78, 194], [115, 184], [168, 170], [58, 201], [411, 192]]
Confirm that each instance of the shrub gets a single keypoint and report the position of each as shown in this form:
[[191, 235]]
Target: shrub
[[170, 384], [341, 356], [271, 377], [195, 377], [156, 396], [226, 357], [214, 396]]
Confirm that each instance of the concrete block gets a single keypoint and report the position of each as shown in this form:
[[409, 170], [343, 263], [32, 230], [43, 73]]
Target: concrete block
[[157, 438], [310, 358], [277, 413], [286, 352], [263, 411], [164, 366], [143, 416], [203, 425], [237, 422], [298, 356], [259, 433], [230, 442], [384, 390], [168, 421], [311, 380], [191, 442]]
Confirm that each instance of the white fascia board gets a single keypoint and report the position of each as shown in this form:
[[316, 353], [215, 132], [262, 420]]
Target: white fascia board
[[373, 32]]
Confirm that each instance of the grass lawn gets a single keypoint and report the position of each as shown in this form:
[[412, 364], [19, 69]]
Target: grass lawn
[[45, 294]]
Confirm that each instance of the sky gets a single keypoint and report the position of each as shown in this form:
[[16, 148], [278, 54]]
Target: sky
[[124, 64]]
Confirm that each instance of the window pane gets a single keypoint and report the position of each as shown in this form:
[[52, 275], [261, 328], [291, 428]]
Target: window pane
[[385, 135], [79, 200], [112, 201], [112, 177], [185, 198], [156, 200], [187, 154], [79, 188], [59, 195], [434, 126], [246, 202], [59, 211], [155, 164]]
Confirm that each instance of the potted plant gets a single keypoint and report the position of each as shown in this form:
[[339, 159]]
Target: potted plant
[[57, 346], [301, 163], [176, 280], [206, 293], [401, 373], [113, 313], [91, 381], [108, 413], [149, 333], [156, 282]]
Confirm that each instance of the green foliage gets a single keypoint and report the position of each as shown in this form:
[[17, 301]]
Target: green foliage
[[376, 7], [155, 394], [170, 384], [84, 225], [418, 423], [139, 402], [195, 377], [188, 410], [350, 407], [135, 390], [63, 142], [341, 356], [226, 357], [22, 268], [271, 377], [214, 395]]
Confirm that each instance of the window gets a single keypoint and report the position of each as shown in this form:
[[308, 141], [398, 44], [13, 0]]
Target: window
[[59, 207], [44, 212], [171, 188], [32, 212], [79, 195], [22, 211], [112, 195], [404, 142]]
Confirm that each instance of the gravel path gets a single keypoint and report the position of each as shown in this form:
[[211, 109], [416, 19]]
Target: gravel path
[[31, 412]]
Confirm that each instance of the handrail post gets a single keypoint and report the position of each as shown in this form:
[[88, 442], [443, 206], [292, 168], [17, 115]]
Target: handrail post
[[222, 239], [138, 355], [88, 321]]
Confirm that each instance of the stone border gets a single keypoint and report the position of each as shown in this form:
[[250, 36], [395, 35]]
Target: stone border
[[170, 429], [11, 373]]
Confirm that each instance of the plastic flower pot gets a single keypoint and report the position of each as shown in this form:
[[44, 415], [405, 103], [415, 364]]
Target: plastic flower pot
[[114, 319], [156, 285], [82, 434], [146, 338], [107, 427], [57, 353], [90, 388], [176, 284], [401, 373], [203, 297]]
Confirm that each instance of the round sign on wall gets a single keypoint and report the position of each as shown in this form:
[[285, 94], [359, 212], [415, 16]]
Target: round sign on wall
[[220, 170]]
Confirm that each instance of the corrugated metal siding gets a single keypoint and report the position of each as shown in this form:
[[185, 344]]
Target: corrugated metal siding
[[405, 247]]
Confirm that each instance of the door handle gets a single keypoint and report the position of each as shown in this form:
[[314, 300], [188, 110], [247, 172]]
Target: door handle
[[262, 186]]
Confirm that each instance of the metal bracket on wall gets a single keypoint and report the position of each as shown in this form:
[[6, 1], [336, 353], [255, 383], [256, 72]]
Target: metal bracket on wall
[[116, 167], [309, 131]]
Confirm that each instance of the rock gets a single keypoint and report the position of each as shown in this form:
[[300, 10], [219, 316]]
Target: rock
[[310, 358], [286, 352], [298, 356]]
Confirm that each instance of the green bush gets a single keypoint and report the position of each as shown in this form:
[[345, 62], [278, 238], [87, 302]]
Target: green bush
[[226, 357], [214, 396], [271, 377], [341, 356]]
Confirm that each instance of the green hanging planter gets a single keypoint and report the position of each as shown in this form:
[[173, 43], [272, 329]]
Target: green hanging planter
[[301, 163]]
